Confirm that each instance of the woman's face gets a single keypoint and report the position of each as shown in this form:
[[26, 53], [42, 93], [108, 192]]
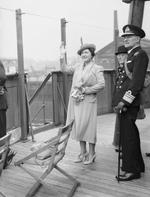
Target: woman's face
[[86, 55]]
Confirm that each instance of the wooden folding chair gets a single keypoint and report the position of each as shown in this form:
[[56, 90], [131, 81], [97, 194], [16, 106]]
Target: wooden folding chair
[[50, 152], [4, 146]]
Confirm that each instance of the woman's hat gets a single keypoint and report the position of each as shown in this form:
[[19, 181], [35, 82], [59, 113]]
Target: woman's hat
[[121, 49], [129, 30], [86, 46]]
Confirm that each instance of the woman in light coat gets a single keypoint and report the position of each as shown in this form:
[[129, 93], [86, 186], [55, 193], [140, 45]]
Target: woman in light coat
[[87, 81]]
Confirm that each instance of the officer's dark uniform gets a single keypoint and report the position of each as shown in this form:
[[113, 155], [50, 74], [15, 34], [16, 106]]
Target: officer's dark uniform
[[3, 101], [120, 78], [128, 92]]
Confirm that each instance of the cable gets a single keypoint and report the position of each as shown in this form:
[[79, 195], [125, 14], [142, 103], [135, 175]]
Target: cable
[[55, 18], [41, 16], [7, 9], [89, 25]]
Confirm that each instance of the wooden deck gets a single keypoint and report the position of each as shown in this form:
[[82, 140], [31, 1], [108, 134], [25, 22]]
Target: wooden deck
[[97, 180]]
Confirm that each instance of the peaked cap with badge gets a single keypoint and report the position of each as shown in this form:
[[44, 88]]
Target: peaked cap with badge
[[129, 30], [86, 46]]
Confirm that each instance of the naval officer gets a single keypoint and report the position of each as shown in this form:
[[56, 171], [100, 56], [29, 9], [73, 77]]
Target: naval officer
[[128, 97]]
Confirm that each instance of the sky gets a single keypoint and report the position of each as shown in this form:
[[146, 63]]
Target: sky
[[90, 19]]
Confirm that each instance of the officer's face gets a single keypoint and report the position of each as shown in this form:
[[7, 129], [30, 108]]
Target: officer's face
[[131, 40], [122, 57], [86, 55]]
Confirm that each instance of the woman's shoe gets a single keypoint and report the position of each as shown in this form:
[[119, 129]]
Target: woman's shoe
[[90, 160], [81, 158]]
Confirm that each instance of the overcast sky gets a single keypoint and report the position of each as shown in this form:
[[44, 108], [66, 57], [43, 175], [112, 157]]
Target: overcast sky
[[90, 19]]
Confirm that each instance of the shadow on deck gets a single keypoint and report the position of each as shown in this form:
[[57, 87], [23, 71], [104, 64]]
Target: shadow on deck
[[97, 180]]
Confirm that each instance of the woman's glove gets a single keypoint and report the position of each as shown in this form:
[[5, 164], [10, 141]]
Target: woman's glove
[[62, 50]]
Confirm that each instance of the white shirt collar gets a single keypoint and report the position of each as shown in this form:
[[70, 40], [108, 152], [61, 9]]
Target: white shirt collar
[[133, 48]]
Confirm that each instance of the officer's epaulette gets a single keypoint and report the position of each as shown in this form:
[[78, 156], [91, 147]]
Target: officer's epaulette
[[135, 54]]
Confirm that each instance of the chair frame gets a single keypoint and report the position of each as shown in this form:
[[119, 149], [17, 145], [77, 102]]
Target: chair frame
[[4, 146], [56, 147]]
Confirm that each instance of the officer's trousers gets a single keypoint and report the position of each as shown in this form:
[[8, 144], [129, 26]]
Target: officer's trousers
[[132, 160], [2, 123]]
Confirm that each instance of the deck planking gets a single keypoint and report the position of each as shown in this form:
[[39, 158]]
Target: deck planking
[[97, 180]]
